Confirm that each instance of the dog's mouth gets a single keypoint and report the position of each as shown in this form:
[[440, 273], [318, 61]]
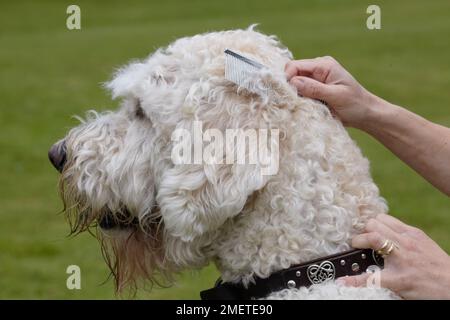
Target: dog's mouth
[[122, 221]]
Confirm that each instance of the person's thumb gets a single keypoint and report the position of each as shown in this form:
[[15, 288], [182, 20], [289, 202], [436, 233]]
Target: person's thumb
[[311, 88], [354, 281]]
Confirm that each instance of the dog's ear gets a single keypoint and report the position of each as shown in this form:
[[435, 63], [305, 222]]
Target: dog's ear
[[195, 199], [198, 198], [138, 77]]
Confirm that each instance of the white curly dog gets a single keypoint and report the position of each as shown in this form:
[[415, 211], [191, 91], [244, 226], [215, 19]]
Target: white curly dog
[[157, 218]]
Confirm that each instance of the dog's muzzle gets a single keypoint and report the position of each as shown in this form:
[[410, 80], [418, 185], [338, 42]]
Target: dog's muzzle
[[57, 155]]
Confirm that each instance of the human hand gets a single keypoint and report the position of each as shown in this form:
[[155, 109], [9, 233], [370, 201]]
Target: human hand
[[416, 269], [325, 79]]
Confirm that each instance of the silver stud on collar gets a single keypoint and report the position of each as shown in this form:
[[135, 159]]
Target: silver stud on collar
[[342, 262], [355, 267], [298, 273], [363, 256], [291, 284]]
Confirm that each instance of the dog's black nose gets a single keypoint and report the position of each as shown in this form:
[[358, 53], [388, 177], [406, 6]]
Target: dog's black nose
[[57, 155]]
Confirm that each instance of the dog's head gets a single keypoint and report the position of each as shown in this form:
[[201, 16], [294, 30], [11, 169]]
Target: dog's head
[[154, 216]]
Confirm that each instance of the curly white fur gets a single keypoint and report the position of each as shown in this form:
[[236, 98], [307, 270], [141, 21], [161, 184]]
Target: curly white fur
[[248, 224]]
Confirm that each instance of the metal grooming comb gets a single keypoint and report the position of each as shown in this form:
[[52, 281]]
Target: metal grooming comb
[[240, 70]]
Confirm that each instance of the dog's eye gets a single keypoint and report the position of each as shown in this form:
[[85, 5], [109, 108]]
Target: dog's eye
[[139, 112]]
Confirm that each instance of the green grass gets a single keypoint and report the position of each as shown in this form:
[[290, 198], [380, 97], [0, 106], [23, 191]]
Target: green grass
[[49, 73]]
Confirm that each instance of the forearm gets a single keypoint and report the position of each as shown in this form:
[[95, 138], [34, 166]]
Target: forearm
[[421, 144]]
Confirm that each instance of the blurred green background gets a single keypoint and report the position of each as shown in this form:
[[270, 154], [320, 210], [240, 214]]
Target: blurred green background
[[48, 74]]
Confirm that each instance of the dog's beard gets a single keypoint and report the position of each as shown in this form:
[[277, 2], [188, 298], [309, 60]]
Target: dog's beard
[[132, 248]]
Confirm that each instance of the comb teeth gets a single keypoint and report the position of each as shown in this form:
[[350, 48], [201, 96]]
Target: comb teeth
[[240, 70]]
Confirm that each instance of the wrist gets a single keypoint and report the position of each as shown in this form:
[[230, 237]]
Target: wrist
[[440, 288], [378, 113], [446, 272]]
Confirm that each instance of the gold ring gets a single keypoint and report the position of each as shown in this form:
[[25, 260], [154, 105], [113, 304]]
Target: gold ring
[[387, 248]]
